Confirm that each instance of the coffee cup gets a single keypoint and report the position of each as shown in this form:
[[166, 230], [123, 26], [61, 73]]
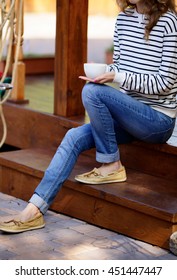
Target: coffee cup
[[93, 70]]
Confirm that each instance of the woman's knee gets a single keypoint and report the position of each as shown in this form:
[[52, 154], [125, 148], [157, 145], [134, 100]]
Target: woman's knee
[[89, 93], [72, 135], [79, 138], [85, 92]]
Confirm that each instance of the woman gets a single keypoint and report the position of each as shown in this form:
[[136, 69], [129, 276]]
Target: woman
[[144, 107]]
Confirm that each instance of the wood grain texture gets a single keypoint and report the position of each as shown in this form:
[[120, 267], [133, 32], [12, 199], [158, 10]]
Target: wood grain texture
[[71, 53], [157, 159], [28, 128], [143, 207]]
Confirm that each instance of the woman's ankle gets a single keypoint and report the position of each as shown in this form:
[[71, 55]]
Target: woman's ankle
[[107, 168], [29, 212]]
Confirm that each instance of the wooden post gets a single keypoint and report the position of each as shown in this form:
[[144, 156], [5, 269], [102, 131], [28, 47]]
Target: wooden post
[[18, 69], [71, 53]]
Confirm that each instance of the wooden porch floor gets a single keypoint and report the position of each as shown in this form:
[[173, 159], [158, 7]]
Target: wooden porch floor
[[39, 90]]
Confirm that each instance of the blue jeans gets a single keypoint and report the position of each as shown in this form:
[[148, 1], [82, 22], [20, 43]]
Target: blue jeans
[[114, 118]]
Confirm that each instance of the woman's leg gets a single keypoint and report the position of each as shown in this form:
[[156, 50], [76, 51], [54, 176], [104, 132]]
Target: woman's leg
[[109, 108], [75, 141], [106, 105]]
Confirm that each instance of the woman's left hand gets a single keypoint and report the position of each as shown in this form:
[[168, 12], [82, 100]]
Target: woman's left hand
[[105, 78]]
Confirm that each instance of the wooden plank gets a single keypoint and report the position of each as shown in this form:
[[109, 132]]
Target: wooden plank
[[71, 53], [17, 184], [144, 207], [39, 65], [114, 217], [29, 161], [92, 209], [143, 193], [159, 160], [27, 128]]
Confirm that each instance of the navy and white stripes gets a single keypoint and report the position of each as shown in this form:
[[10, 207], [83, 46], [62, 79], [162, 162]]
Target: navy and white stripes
[[149, 66]]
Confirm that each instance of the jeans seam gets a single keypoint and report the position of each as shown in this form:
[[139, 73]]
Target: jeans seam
[[144, 114], [130, 107], [53, 184], [107, 138]]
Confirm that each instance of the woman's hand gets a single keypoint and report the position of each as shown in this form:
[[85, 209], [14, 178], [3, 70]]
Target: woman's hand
[[105, 78]]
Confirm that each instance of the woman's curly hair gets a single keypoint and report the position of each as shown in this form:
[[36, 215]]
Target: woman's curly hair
[[153, 10]]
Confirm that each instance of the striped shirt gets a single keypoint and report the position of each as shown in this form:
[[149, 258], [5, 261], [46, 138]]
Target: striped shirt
[[147, 69]]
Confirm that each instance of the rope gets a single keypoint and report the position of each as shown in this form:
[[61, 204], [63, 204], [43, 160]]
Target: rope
[[4, 127], [9, 17], [18, 40]]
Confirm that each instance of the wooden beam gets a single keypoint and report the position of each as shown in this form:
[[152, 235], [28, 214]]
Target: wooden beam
[[71, 53]]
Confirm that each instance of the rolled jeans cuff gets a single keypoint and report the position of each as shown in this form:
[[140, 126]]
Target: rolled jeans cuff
[[107, 158], [39, 203]]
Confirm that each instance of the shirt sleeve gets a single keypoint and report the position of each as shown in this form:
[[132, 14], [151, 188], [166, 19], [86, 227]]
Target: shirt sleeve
[[162, 82], [152, 84]]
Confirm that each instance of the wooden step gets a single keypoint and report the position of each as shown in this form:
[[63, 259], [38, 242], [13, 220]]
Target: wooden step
[[155, 159], [144, 207]]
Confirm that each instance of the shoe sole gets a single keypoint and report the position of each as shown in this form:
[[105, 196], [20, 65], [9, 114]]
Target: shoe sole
[[22, 230], [100, 183]]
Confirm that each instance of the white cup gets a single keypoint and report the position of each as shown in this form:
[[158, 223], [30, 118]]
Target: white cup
[[93, 70]]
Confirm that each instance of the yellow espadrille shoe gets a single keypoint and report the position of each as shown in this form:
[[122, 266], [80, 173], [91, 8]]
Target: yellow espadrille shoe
[[94, 177], [15, 226]]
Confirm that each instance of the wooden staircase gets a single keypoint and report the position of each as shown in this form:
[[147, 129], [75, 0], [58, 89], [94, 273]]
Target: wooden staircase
[[144, 207]]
